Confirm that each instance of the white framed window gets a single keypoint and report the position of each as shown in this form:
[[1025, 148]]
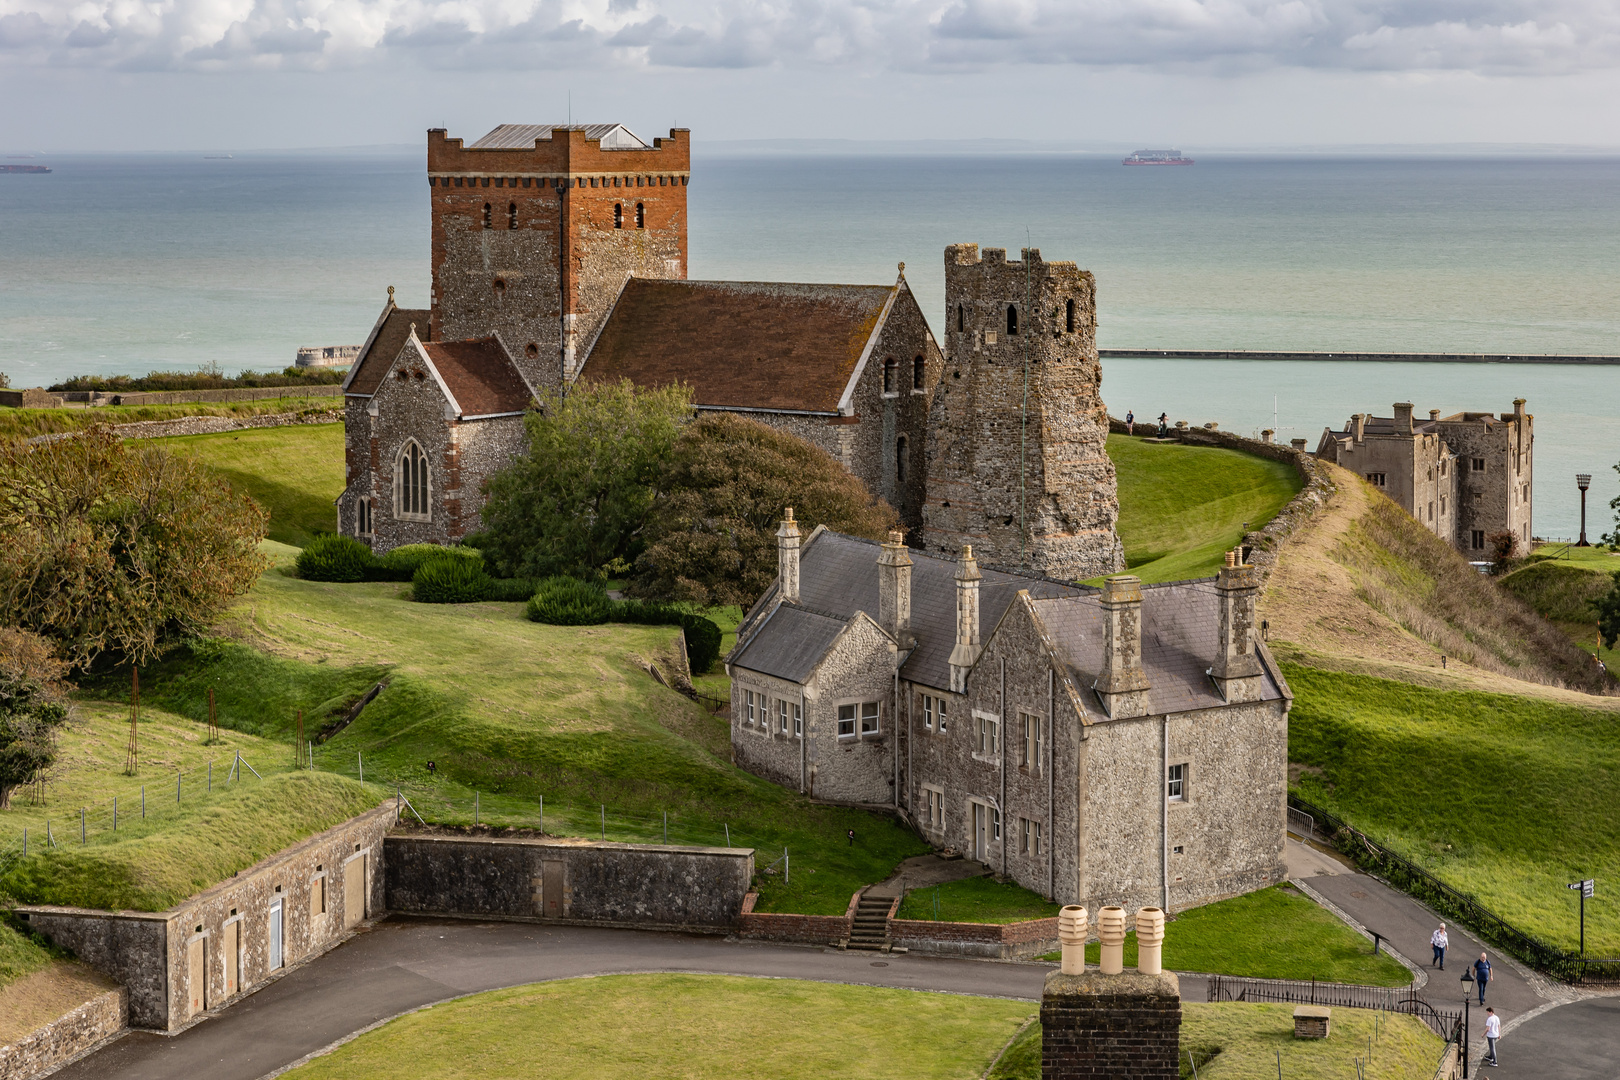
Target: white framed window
[[1176, 785], [995, 821], [857, 718], [748, 707], [798, 720], [933, 808], [275, 951], [987, 734], [869, 718], [782, 714], [1029, 837], [846, 721], [927, 711], [939, 704], [1030, 750], [413, 484]]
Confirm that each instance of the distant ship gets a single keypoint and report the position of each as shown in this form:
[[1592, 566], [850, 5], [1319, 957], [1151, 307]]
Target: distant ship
[[218, 157], [1157, 157], [24, 169]]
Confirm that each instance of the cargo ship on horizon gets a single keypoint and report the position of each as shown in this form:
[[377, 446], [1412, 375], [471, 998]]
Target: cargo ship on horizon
[[1157, 157], [24, 169]]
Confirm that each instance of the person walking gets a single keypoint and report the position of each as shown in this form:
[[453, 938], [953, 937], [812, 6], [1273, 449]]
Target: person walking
[[1482, 975], [1438, 942], [1130, 422], [1164, 425], [1493, 1031]]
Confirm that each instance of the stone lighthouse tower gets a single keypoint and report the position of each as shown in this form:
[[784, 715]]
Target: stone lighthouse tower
[[1016, 454]]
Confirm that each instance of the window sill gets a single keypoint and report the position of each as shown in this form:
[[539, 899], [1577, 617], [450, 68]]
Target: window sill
[[989, 759], [424, 519]]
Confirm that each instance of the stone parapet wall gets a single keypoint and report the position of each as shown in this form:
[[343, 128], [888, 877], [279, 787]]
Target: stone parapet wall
[[48, 1048], [1005, 941], [801, 929], [1266, 543], [648, 886]]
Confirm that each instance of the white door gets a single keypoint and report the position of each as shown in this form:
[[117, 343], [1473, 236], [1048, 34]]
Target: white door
[[275, 934], [981, 841]]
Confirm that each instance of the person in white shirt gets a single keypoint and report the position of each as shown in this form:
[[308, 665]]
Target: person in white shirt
[[1438, 942], [1493, 1031]]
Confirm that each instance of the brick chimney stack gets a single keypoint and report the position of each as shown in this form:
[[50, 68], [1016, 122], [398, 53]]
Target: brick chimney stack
[[966, 652], [787, 559], [1403, 418], [894, 589], [1237, 666], [1123, 684]]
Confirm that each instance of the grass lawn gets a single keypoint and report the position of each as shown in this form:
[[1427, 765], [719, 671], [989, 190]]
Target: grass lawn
[[978, 900], [699, 1026], [21, 954], [514, 711], [1239, 1041], [1504, 797], [178, 848], [1182, 507], [295, 473], [1587, 558], [30, 422], [1560, 589]]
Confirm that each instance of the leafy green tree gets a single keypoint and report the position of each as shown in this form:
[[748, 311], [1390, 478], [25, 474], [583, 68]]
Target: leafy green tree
[[112, 546], [711, 537], [580, 496], [31, 709], [1607, 607]]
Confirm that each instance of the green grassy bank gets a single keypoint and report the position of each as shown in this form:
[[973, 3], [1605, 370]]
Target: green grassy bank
[[1503, 797], [26, 423], [295, 473], [1182, 507]]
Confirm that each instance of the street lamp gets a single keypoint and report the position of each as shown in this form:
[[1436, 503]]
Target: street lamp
[[1468, 987], [1583, 481]]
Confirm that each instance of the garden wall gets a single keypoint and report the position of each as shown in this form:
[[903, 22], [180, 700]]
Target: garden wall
[[48, 1048], [1004, 941], [803, 929], [645, 886]]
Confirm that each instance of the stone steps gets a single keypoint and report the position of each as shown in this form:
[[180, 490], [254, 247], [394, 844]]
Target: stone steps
[[869, 931]]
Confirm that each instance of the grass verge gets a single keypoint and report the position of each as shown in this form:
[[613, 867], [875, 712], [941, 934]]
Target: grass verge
[[976, 900], [294, 472], [1507, 798], [1182, 507], [26, 423], [21, 954], [698, 1026]]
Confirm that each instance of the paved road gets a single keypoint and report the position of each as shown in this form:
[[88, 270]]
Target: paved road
[[403, 963], [1571, 1042]]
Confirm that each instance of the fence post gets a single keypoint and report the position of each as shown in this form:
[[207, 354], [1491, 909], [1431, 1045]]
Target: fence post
[[143, 802], [361, 762], [210, 777], [666, 826], [787, 868], [604, 821], [115, 813], [177, 788], [728, 834], [81, 826], [475, 808], [542, 814]]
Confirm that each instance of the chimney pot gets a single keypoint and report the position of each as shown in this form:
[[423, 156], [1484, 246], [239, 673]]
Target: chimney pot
[[1150, 941], [1072, 933], [1111, 932], [1434, 414]]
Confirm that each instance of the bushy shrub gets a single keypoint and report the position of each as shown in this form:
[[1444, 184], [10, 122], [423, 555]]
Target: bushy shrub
[[451, 580], [330, 557], [511, 589], [402, 563], [566, 601], [702, 635]]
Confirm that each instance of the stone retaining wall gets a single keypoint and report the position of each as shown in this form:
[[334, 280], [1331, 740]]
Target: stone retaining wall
[[48, 1048], [1264, 544], [803, 929], [262, 393], [208, 425], [1004, 941]]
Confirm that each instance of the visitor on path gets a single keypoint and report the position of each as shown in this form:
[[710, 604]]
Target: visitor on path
[[1164, 425], [1130, 422], [1482, 975], [1438, 942], [1493, 1031]]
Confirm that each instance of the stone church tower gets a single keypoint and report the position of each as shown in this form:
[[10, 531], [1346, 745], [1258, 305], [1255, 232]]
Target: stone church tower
[[1016, 452], [537, 227]]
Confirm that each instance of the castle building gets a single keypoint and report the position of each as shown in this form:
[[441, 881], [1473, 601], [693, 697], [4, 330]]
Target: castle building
[[1124, 745], [1465, 477], [1017, 440]]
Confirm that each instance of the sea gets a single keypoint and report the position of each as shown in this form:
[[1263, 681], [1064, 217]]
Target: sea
[[138, 262]]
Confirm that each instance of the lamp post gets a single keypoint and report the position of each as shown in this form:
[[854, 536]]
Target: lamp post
[[1583, 481], [1468, 987]]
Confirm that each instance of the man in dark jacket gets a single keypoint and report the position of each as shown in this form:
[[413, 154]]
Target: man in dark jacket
[[1482, 975]]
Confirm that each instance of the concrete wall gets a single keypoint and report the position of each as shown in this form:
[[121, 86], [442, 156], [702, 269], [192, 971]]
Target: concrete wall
[[149, 953], [48, 1048], [570, 881]]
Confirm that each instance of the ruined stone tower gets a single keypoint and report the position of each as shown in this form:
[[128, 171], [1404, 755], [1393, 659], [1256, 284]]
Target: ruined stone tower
[[1016, 458], [536, 228]]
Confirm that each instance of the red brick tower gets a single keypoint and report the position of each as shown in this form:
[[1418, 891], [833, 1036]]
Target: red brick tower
[[536, 228]]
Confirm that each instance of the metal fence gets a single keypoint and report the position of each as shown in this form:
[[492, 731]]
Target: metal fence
[[1404, 1001], [1453, 904]]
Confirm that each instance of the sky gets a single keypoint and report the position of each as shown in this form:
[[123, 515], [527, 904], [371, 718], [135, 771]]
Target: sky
[[79, 75]]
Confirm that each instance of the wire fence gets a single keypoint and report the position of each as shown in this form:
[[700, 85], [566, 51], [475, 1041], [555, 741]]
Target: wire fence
[[1450, 902]]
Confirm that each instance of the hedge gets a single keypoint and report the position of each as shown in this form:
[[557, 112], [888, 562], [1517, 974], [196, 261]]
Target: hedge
[[566, 601]]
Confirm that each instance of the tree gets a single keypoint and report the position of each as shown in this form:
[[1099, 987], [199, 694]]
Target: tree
[[112, 547], [1504, 548], [580, 496], [1607, 607], [31, 708], [711, 538]]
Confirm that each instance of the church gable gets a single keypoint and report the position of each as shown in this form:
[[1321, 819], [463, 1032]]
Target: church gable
[[382, 348]]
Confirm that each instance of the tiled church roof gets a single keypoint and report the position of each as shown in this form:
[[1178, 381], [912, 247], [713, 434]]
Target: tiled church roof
[[740, 344], [480, 376], [388, 337]]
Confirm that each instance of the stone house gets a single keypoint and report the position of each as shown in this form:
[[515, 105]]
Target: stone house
[[425, 424], [1464, 477], [1123, 745], [849, 368]]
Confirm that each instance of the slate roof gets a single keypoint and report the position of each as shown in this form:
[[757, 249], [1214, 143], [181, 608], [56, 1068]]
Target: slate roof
[[388, 337], [1180, 637], [838, 576], [740, 344], [522, 136], [481, 377]]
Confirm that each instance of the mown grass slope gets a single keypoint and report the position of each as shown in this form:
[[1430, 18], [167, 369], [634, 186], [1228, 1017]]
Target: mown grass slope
[[1182, 507], [1504, 797], [1561, 590], [294, 472], [513, 711]]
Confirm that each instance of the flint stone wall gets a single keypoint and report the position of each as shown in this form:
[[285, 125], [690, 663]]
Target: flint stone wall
[[604, 884], [48, 1048]]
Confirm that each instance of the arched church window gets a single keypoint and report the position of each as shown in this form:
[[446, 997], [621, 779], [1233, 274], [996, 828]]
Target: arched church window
[[891, 372], [362, 526], [487, 225], [618, 215], [641, 216], [1012, 320], [412, 483]]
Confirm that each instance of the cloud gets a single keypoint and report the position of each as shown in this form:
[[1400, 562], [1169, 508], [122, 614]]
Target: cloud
[[1531, 37]]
